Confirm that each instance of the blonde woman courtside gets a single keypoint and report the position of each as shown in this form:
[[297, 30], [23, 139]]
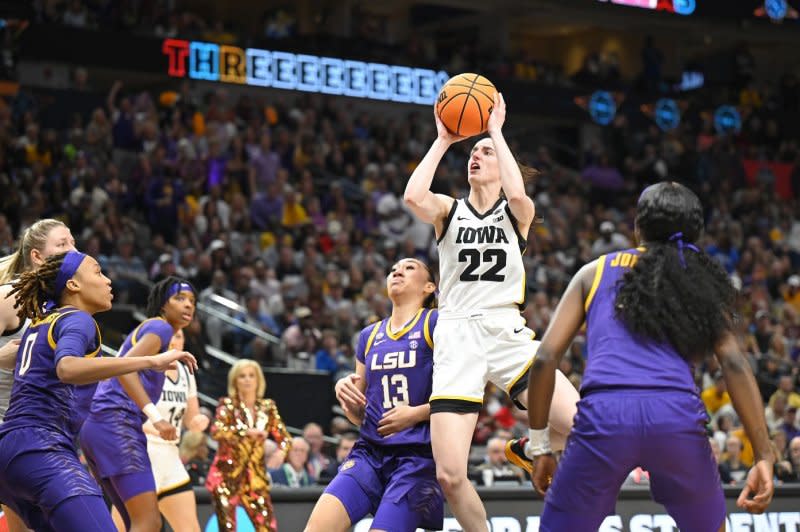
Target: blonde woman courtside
[[481, 335]]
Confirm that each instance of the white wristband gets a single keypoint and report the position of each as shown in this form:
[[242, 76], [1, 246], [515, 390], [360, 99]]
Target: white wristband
[[538, 442], [152, 413]]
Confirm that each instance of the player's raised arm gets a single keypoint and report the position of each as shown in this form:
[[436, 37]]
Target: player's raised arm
[[429, 207], [510, 174]]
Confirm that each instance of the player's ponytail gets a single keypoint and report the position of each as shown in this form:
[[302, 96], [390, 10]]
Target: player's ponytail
[[34, 237], [675, 292]]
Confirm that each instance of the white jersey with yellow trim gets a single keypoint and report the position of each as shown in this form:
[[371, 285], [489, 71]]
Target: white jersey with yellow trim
[[172, 404], [7, 376], [480, 259]]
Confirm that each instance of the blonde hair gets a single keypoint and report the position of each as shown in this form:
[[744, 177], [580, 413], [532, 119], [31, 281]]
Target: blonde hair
[[34, 237], [237, 368], [191, 443]]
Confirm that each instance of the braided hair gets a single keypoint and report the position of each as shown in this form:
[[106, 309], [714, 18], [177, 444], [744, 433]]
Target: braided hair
[[34, 287], [683, 297]]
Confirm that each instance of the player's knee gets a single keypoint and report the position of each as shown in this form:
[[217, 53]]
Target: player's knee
[[450, 480]]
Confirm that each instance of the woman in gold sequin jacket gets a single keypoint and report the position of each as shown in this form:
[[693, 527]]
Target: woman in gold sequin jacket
[[238, 476]]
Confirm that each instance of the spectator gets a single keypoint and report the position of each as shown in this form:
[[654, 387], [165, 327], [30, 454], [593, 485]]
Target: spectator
[[788, 425], [716, 396], [724, 472], [273, 457], [250, 345], [496, 467], [293, 472], [194, 455], [327, 357], [609, 240], [317, 461], [733, 463], [775, 410], [794, 457], [346, 443]]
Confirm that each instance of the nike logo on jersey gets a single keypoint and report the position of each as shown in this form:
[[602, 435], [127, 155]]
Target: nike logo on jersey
[[481, 235], [379, 342], [517, 331], [462, 218]]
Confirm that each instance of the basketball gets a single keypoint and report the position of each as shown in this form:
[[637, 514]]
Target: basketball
[[465, 103]]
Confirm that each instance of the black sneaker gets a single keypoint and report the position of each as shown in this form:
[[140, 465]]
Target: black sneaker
[[515, 452]]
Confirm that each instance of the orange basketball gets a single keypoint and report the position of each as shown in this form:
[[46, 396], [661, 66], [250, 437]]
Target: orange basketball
[[465, 103]]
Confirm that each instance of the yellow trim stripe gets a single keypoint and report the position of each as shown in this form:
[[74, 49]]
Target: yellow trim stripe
[[456, 398], [58, 315], [99, 343], [173, 486], [134, 336], [401, 332], [370, 339], [427, 329], [598, 274], [520, 375], [524, 284]]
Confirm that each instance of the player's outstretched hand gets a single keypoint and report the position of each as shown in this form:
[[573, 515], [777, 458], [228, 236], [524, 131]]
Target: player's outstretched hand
[[544, 467], [398, 418], [168, 360], [759, 485], [166, 430], [349, 394], [498, 116]]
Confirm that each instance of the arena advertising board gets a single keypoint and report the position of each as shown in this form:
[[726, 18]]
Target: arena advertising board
[[301, 72], [518, 510]]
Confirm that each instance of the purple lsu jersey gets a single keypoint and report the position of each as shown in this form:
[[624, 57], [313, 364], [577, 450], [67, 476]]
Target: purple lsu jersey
[[617, 358], [399, 369], [39, 398], [111, 397]]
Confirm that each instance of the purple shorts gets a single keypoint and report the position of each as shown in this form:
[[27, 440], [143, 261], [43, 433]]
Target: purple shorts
[[39, 471], [616, 431], [117, 454], [116, 444], [396, 485]]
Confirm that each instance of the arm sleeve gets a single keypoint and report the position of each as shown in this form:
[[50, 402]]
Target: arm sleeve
[[225, 426], [160, 328], [361, 345], [277, 428], [75, 335]]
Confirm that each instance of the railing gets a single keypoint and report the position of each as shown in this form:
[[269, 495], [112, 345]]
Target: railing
[[226, 358]]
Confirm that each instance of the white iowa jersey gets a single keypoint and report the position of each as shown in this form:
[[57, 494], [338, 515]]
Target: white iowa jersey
[[7, 376], [174, 396], [480, 259]]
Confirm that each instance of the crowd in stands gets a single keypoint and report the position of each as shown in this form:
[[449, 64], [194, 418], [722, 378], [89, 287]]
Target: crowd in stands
[[292, 208]]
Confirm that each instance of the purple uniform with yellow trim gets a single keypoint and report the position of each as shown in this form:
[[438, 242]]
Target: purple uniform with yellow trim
[[112, 438], [639, 408], [393, 478], [39, 465]]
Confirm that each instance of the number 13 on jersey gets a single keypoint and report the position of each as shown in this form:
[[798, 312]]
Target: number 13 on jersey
[[395, 390]]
